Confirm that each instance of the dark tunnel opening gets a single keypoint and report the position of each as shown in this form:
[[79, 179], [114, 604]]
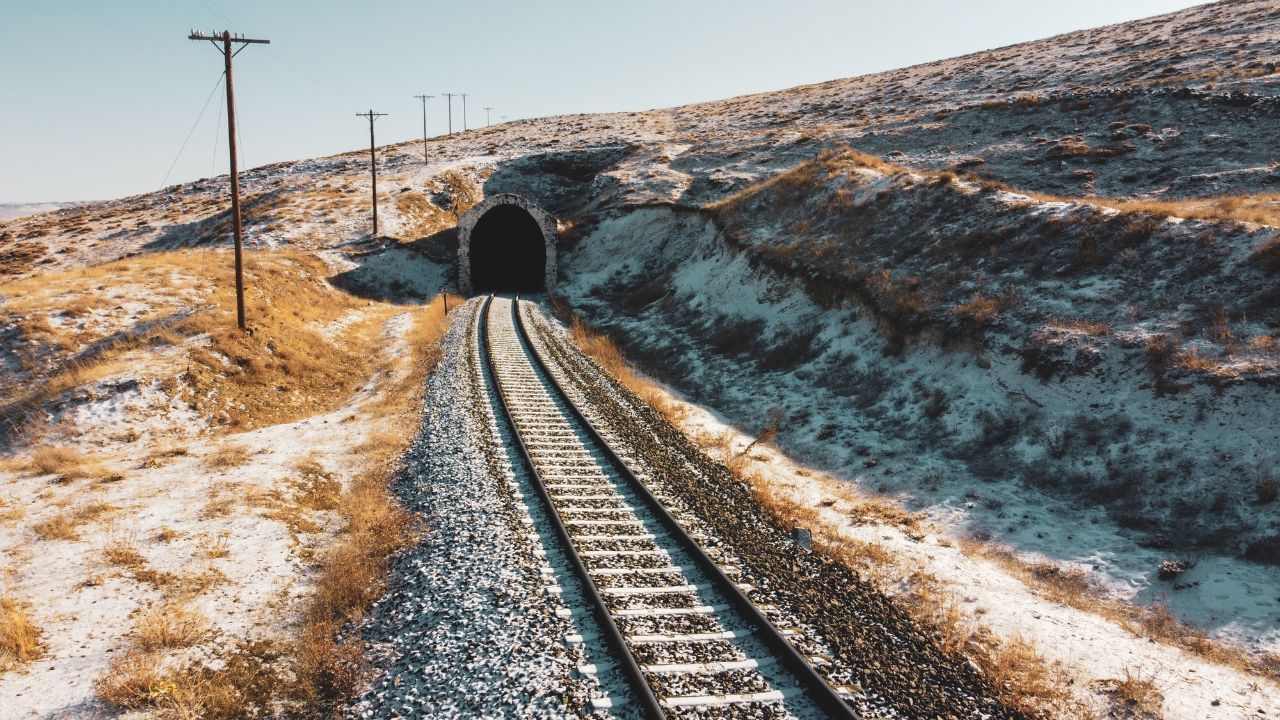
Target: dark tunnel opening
[[508, 253]]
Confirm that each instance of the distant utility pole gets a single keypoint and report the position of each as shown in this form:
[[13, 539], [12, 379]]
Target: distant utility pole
[[486, 116], [424, 99], [450, 96], [464, 112], [373, 165], [226, 38]]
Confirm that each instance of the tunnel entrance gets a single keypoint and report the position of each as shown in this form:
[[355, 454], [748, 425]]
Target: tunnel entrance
[[506, 244], [507, 252]]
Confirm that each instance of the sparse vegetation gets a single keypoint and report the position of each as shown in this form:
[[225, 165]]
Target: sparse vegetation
[[227, 456], [1072, 586], [313, 671], [19, 635], [123, 552], [53, 460], [169, 626], [1134, 696], [133, 681]]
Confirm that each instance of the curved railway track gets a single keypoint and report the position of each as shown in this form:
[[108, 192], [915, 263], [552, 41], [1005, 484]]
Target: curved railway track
[[677, 624]]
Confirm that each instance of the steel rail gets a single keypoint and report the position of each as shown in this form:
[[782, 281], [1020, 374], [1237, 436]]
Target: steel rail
[[822, 694], [613, 635]]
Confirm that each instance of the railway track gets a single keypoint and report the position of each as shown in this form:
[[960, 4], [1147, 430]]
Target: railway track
[[678, 626]]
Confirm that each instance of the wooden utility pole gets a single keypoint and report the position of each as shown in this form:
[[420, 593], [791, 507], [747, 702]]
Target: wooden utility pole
[[424, 99], [226, 39], [450, 96], [464, 112], [373, 165], [486, 116]]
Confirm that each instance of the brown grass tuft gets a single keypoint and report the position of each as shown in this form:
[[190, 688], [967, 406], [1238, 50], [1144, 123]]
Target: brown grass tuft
[[56, 460], [169, 626], [122, 552], [1135, 697], [19, 636], [58, 527], [227, 456], [132, 681]]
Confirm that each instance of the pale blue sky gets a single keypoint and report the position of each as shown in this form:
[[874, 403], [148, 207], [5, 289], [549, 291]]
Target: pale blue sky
[[99, 94]]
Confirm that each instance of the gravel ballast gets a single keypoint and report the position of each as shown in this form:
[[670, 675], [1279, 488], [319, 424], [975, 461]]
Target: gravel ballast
[[467, 627]]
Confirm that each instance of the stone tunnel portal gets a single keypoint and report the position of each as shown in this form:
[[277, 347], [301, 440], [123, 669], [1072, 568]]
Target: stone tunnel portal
[[506, 244]]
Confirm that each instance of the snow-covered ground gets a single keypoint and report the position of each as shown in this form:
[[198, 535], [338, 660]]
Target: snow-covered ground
[[162, 518], [1181, 106]]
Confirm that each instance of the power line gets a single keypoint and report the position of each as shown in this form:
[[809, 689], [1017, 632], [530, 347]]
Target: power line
[[450, 96], [192, 131], [373, 165], [213, 159], [424, 99], [214, 7], [226, 38]]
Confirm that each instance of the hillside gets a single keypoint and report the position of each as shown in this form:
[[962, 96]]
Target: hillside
[[1032, 294]]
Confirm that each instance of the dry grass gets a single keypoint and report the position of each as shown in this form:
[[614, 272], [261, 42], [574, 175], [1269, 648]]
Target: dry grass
[[123, 552], [167, 534], [58, 527], [222, 499], [54, 460], [794, 185], [305, 676], [158, 458], [227, 456], [133, 681], [1263, 208], [352, 573], [169, 626], [1268, 254], [19, 635], [285, 369], [981, 310], [611, 359], [1136, 697], [1090, 328], [216, 548], [67, 526], [419, 217]]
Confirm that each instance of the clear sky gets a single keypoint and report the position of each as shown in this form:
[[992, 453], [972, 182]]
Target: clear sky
[[100, 94]]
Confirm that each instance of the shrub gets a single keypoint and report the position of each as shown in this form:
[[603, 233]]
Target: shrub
[[1162, 350], [55, 460], [132, 681], [59, 527], [169, 626], [1268, 256], [19, 636], [228, 456]]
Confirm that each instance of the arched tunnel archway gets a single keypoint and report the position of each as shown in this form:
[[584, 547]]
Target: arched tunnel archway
[[507, 252], [506, 244]]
